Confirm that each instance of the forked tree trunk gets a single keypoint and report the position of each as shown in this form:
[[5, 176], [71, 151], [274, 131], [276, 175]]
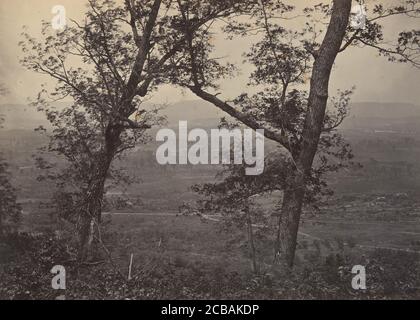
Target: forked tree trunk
[[317, 103]]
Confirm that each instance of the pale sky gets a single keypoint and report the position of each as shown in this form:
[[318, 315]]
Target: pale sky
[[375, 78]]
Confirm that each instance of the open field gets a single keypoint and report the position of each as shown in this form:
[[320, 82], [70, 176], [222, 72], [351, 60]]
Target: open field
[[198, 238]]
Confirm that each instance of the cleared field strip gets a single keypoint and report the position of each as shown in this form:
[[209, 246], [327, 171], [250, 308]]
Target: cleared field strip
[[344, 223]]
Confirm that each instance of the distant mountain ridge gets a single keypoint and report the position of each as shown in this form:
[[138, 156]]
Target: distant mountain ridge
[[384, 110], [199, 113]]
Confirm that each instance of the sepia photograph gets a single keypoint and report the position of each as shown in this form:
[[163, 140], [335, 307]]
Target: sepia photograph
[[198, 151]]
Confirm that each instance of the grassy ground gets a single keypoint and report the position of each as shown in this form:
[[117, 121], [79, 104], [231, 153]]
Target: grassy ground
[[176, 256], [183, 238], [191, 237]]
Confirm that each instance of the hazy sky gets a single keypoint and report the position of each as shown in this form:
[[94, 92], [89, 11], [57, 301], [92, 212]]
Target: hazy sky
[[375, 78]]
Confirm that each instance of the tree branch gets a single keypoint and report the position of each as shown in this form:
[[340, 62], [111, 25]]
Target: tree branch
[[269, 132]]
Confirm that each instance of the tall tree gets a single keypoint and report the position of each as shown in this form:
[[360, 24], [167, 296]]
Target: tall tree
[[294, 118], [108, 65]]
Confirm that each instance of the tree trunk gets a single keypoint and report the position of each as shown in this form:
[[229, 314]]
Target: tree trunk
[[84, 233], [288, 223], [91, 215], [314, 121]]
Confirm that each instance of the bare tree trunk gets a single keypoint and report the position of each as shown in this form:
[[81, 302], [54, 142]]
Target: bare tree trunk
[[288, 223], [317, 102]]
